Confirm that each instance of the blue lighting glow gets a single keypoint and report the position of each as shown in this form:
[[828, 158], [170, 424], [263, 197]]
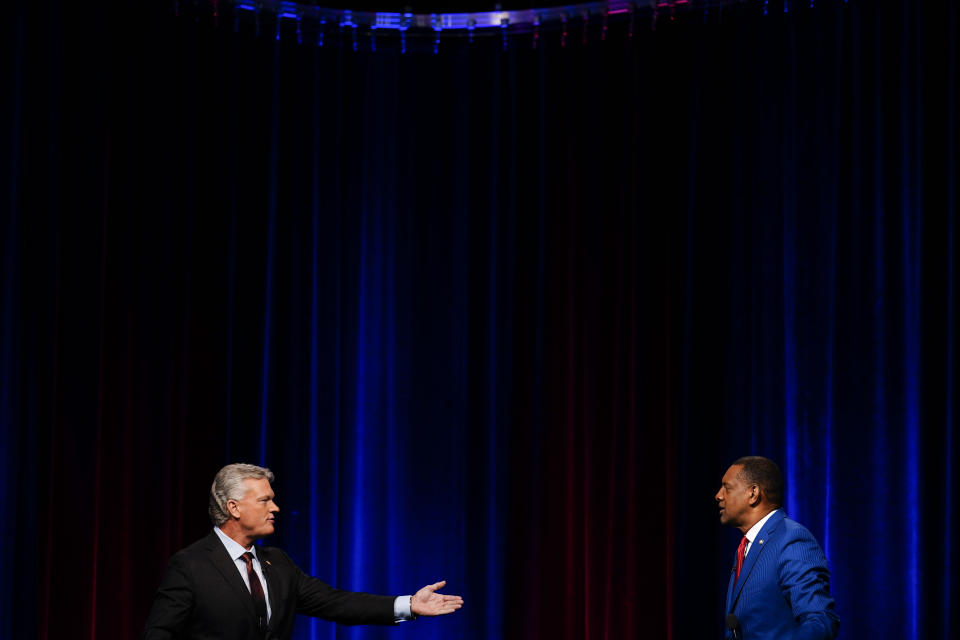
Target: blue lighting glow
[[912, 371], [359, 499], [794, 452], [269, 268], [314, 428], [829, 399], [880, 571]]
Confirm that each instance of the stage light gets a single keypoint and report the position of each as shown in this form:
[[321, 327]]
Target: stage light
[[437, 28], [538, 22]]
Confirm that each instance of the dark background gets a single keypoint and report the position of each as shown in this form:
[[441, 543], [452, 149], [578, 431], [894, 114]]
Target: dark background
[[496, 315]]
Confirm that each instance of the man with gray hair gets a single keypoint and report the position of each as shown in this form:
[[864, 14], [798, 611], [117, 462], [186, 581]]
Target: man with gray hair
[[224, 586]]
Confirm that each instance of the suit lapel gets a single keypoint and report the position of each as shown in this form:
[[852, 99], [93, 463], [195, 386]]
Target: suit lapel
[[228, 569], [730, 588], [273, 584], [756, 548]]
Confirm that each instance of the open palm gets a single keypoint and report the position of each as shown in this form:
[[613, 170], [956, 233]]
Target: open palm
[[427, 602]]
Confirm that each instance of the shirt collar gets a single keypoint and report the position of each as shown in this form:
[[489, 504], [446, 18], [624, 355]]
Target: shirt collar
[[234, 548], [753, 532]]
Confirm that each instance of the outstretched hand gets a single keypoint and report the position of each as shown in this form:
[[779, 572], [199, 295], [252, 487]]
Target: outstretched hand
[[427, 602]]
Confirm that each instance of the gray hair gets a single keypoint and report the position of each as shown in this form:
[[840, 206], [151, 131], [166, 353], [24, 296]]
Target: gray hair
[[228, 485]]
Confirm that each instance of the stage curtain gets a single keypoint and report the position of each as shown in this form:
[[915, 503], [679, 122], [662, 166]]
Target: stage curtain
[[500, 314]]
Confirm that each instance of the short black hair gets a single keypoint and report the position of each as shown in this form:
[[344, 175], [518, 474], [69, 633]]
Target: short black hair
[[765, 473]]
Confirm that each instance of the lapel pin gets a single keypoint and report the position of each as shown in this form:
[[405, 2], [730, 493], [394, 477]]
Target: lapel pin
[[761, 542]]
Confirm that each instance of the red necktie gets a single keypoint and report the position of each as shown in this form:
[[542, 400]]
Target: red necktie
[[256, 592], [740, 554]]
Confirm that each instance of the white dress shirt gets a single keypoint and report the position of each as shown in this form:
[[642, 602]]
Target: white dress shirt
[[755, 531], [236, 551]]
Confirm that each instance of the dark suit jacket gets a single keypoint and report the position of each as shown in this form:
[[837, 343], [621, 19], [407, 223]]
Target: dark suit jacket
[[784, 588], [203, 597]]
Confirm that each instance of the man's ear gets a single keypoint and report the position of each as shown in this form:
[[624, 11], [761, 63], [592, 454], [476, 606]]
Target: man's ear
[[233, 508], [755, 496]]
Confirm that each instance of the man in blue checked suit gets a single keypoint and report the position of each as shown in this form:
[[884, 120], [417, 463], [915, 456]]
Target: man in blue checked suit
[[779, 585]]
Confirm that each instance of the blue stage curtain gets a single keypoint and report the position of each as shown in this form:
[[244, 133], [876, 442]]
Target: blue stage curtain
[[500, 316]]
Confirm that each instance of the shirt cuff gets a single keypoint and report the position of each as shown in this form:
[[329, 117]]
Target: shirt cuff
[[401, 609]]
